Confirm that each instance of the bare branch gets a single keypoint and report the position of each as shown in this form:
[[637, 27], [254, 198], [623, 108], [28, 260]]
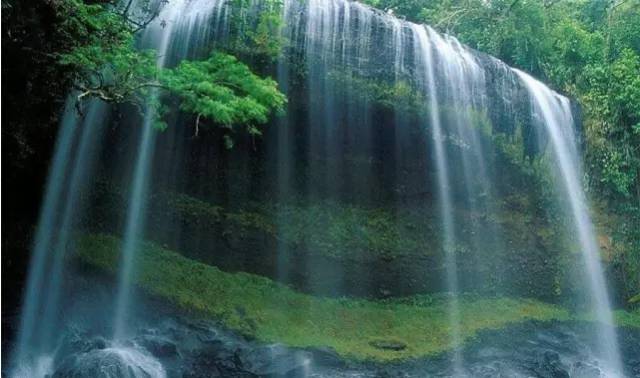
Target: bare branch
[[197, 125], [126, 9], [111, 94]]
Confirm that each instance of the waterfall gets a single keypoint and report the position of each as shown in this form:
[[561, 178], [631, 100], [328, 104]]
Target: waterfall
[[71, 169], [554, 112], [139, 189], [343, 144]]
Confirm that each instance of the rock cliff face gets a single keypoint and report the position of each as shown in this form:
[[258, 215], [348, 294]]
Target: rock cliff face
[[358, 141], [341, 195]]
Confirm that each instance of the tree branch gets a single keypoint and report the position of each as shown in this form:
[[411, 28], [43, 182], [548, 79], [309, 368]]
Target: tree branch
[[109, 95], [197, 124]]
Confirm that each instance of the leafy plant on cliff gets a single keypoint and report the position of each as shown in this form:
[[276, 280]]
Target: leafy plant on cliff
[[400, 95], [108, 66], [612, 96], [224, 91], [101, 51], [255, 28]]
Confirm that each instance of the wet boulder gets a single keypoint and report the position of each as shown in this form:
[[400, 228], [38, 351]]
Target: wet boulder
[[274, 360], [159, 346], [218, 360], [581, 369], [549, 365]]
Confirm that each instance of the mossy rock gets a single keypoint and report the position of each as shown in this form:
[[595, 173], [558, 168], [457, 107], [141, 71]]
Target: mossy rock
[[355, 328], [391, 345]]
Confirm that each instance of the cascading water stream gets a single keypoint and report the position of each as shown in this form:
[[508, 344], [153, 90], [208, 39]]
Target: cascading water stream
[[284, 154], [134, 227], [135, 213], [91, 134], [174, 16], [556, 116], [73, 159], [44, 235], [425, 62], [462, 81]]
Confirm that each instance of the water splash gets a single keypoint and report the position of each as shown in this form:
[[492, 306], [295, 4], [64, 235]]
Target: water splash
[[114, 361]]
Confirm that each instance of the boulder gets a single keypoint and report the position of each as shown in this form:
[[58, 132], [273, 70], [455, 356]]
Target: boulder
[[159, 346]]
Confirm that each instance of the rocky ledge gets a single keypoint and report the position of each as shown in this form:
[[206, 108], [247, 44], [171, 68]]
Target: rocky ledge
[[179, 348]]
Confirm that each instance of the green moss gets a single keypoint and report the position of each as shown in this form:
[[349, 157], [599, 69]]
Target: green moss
[[400, 95], [627, 318], [271, 312], [198, 212], [337, 230], [618, 229], [186, 206], [324, 228], [621, 318]]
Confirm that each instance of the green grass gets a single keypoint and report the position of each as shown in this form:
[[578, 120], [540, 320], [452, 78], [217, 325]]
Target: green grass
[[270, 312]]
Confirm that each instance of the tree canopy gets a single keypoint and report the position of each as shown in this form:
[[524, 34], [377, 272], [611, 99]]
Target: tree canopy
[[224, 91], [107, 65]]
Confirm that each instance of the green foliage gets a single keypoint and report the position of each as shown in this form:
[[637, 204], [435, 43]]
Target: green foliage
[[270, 312], [346, 231], [224, 91], [612, 95], [588, 48], [400, 95], [621, 227], [323, 228], [102, 55], [255, 28], [574, 47], [627, 318], [107, 65]]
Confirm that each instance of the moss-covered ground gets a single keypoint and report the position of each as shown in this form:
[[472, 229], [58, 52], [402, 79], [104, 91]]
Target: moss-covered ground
[[270, 312]]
